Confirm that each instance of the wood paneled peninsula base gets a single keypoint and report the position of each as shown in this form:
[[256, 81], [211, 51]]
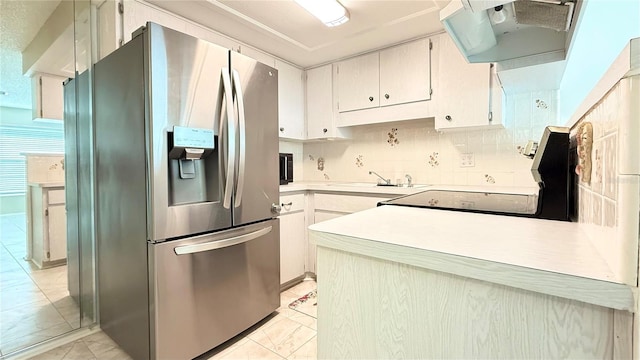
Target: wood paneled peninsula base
[[398, 282]]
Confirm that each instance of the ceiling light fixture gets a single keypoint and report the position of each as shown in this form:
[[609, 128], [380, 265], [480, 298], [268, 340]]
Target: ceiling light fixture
[[330, 12]]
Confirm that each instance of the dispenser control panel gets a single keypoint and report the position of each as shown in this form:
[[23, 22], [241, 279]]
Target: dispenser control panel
[[190, 143], [188, 137]]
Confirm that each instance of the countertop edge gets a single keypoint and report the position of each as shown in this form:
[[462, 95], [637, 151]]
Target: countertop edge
[[382, 190], [45, 184], [598, 292], [394, 190]]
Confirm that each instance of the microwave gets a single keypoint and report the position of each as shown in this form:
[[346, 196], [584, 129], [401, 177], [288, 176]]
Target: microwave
[[286, 168]]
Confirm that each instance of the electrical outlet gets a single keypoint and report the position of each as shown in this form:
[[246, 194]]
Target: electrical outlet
[[467, 160]]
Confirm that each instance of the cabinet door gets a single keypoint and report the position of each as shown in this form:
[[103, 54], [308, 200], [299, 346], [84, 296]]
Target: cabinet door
[[319, 216], [137, 14], [48, 96], [292, 246], [358, 81], [57, 232], [463, 89], [320, 103], [290, 101], [259, 55], [405, 73], [109, 30], [497, 95]]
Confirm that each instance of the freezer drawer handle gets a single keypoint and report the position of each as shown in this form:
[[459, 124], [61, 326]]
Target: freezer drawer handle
[[219, 244]]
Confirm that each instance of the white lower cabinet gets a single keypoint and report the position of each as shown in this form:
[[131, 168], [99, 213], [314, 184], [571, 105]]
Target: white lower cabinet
[[327, 206], [318, 216], [299, 210], [46, 226], [293, 237]]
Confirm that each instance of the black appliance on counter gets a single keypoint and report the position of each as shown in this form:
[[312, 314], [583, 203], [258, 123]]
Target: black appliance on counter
[[286, 168], [550, 169]]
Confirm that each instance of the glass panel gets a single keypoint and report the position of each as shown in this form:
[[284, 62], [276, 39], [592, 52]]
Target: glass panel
[[36, 58], [83, 285]]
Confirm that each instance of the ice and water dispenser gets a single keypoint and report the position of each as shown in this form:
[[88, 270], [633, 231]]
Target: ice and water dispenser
[[193, 166]]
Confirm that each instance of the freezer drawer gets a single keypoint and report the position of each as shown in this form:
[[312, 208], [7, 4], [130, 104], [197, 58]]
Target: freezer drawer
[[209, 288]]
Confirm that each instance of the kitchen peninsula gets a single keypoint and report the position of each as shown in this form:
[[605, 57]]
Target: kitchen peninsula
[[403, 282], [421, 283]]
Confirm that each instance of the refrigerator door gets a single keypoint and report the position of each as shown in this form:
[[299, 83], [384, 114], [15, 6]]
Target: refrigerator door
[[209, 288], [255, 89], [186, 80]]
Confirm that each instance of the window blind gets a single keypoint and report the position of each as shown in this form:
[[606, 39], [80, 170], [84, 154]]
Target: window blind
[[15, 140]]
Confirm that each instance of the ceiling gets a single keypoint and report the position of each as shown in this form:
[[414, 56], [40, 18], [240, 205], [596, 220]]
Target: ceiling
[[279, 27], [284, 29], [19, 24]]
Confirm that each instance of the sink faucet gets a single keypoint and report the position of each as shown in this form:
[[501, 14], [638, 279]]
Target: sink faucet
[[386, 181], [409, 180]]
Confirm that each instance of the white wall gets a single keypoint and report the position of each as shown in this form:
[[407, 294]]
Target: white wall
[[431, 157], [603, 30], [294, 148]]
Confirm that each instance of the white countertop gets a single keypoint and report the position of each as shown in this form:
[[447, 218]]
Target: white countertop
[[45, 184], [552, 257], [41, 154], [372, 188]]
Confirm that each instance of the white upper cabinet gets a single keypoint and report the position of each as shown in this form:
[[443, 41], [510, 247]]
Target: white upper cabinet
[[263, 58], [290, 101], [496, 104], [405, 73], [464, 91], [359, 83], [136, 14], [47, 96], [321, 121], [393, 76]]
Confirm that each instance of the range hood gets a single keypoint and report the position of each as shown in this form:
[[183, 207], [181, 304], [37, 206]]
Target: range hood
[[516, 33]]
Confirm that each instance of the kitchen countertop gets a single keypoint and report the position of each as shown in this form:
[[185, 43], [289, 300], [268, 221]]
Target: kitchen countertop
[[45, 184], [41, 154], [551, 257], [371, 188]]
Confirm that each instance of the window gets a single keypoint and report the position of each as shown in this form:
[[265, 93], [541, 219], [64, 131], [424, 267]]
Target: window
[[17, 139]]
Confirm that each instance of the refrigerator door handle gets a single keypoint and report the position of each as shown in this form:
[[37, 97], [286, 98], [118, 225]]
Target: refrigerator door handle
[[237, 86], [220, 244], [231, 138]]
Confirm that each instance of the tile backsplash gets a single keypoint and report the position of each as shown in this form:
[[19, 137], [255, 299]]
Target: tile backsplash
[[465, 157], [294, 148], [608, 204], [45, 167]]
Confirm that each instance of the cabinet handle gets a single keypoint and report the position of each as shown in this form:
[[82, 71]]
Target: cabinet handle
[[448, 117], [370, 98], [324, 130], [287, 204], [281, 129], [386, 96]]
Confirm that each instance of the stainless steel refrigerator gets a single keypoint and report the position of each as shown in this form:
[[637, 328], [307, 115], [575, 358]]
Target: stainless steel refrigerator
[[187, 193]]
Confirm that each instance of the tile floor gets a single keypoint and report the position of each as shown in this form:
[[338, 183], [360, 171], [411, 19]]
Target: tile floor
[[286, 334], [34, 304]]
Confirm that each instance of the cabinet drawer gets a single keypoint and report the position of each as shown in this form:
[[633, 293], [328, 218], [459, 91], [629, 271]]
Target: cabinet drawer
[[56, 197], [346, 203], [296, 201]]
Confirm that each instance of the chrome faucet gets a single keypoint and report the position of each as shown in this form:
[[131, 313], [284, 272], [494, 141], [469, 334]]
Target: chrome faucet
[[409, 180], [386, 181]]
